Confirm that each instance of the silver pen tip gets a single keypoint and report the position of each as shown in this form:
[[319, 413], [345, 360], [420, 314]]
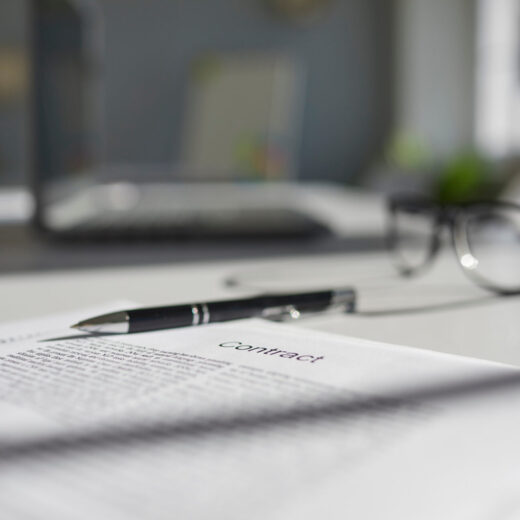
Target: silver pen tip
[[112, 323]]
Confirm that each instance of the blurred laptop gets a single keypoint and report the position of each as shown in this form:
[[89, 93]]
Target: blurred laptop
[[232, 166]]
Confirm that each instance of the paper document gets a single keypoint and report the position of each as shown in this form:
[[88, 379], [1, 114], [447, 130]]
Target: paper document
[[251, 420], [20, 332]]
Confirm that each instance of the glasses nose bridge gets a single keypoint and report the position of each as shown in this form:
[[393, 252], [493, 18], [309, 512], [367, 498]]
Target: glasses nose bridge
[[447, 215], [444, 219], [443, 229], [444, 223]]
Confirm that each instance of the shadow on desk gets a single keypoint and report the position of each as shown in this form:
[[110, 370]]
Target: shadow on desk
[[24, 251], [442, 306], [407, 400]]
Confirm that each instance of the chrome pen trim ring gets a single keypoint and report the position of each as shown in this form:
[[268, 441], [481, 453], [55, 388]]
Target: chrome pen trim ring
[[196, 314], [205, 314]]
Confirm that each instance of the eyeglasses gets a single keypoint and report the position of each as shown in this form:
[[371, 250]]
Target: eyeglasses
[[485, 236]]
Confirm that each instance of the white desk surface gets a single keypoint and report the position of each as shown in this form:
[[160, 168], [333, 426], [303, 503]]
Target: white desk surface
[[441, 310]]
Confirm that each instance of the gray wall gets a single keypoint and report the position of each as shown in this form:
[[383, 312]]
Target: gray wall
[[435, 94], [347, 53]]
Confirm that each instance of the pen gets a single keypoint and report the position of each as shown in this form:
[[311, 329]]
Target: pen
[[272, 306]]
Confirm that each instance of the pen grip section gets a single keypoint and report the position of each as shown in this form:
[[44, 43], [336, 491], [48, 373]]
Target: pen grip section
[[234, 309], [303, 302], [257, 307]]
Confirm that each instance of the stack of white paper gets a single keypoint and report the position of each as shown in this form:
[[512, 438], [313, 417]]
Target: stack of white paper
[[250, 420]]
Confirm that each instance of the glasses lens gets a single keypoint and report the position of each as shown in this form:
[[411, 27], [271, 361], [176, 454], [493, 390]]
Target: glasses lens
[[493, 237], [411, 236]]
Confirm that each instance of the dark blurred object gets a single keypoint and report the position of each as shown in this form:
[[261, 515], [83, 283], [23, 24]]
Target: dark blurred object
[[13, 76], [13, 92], [22, 251]]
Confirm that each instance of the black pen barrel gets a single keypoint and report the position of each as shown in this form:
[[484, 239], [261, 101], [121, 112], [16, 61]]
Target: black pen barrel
[[304, 302], [174, 316], [261, 305], [157, 318]]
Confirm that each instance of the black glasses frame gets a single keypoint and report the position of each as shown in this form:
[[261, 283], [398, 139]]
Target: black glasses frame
[[455, 217]]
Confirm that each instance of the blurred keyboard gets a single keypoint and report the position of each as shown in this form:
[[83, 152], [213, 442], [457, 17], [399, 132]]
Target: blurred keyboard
[[254, 223]]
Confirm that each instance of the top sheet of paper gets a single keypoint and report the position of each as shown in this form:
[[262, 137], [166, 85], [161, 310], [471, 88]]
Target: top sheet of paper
[[251, 420]]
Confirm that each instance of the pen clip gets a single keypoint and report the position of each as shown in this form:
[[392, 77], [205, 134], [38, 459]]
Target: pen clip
[[281, 313]]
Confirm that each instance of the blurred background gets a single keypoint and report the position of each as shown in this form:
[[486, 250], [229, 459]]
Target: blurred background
[[250, 100]]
